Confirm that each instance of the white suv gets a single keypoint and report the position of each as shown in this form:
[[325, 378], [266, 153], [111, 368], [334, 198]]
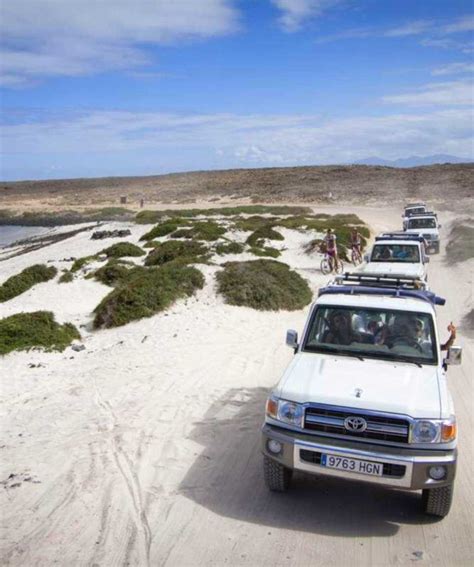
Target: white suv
[[397, 254], [425, 224], [412, 209], [365, 397]]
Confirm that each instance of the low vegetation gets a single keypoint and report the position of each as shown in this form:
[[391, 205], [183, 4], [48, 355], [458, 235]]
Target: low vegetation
[[163, 228], [258, 237], [30, 330], [265, 285], [123, 249], [229, 248], [148, 217], [205, 230], [81, 262], [146, 293], [178, 251], [66, 277], [65, 217], [265, 251], [115, 272], [19, 283]]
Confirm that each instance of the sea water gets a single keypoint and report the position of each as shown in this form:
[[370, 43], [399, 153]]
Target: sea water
[[9, 233]]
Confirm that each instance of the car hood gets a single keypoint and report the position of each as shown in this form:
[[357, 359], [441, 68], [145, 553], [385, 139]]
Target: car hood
[[394, 269], [431, 231], [384, 386]]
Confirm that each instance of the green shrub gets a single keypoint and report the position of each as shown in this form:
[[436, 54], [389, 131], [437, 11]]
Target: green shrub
[[81, 262], [39, 329], [164, 228], [206, 230], [66, 277], [263, 284], [254, 222], [122, 249], [115, 272], [148, 217], [146, 293], [229, 248], [265, 232], [186, 252], [18, 284], [265, 251]]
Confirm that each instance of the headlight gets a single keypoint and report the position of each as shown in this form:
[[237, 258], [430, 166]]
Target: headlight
[[434, 431], [287, 412]]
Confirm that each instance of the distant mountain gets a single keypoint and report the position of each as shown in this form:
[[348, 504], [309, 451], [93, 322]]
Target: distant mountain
[[413, 161]]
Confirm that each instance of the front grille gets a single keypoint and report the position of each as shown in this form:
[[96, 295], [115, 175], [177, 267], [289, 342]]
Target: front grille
[[380, 428], [389, 469]]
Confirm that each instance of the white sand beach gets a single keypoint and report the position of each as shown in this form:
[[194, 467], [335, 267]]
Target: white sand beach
[[143, 448]]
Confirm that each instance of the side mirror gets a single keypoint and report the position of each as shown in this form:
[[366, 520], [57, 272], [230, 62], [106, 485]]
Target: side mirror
[[292, 339], [454, 355]]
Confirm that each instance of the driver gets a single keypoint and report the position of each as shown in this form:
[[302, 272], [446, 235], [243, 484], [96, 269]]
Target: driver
[[410, 331]]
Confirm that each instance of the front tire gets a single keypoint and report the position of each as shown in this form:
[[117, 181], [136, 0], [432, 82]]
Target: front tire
[[437, 501], [325, 266], [277, 477]]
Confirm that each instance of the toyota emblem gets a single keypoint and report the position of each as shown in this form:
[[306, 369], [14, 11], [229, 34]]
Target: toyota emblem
[[355, 423]]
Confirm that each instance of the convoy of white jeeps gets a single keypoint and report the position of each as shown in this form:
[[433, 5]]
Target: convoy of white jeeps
[[365, 397]]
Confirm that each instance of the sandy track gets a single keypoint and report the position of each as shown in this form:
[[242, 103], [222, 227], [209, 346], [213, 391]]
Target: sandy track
[[144, 450]]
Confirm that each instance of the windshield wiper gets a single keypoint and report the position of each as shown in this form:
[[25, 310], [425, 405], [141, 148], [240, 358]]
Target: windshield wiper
[[406, 359]]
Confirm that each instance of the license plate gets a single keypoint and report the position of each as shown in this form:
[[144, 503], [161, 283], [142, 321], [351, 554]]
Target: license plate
[[351, 465]]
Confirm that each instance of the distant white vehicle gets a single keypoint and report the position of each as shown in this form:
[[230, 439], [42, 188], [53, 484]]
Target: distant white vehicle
[[412, 209], [365, 397], [397, 254], [427, 225]]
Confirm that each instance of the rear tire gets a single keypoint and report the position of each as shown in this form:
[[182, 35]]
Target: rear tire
[[277, 477], [437, 501]]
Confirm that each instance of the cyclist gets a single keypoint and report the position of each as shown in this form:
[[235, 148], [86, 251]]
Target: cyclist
[[331, 248], [356, 243]]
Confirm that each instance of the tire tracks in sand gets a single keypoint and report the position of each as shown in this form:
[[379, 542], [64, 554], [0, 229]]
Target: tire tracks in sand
[[127, 471]]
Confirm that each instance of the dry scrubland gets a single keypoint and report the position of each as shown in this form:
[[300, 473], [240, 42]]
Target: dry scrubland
[[450, 184]]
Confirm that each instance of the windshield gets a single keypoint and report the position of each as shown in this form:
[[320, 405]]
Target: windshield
[[373, 333], [422, 223], [415, 211], [395, 253]]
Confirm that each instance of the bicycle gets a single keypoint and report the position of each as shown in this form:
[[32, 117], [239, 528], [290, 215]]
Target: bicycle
[[330, 265], [356, 256]]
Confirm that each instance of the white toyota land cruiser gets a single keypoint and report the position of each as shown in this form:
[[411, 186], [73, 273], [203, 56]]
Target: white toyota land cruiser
[[412, 209], [365, 397], [427, 225], [397, 254]]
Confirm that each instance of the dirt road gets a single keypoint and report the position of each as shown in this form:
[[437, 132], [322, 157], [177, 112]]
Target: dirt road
[[121, 455]]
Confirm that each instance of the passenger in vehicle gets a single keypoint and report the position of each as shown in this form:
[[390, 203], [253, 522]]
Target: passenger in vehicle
[[340, 330]]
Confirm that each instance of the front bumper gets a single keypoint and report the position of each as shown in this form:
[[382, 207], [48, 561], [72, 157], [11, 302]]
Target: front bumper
[[403, 467]]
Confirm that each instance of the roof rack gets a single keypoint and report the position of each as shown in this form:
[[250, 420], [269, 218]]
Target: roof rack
[[381, 280], [420, 204], [374, 284], [424, 295], [425, 214], [400, 236]]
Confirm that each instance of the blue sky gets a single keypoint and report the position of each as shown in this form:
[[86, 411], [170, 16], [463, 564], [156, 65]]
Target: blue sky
[[122, 87]]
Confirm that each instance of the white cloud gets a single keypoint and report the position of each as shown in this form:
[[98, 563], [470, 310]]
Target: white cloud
[[453, 69], [295, 12], [77, 37], [464, 24], [412, 28], [229, 140], [449, 93]]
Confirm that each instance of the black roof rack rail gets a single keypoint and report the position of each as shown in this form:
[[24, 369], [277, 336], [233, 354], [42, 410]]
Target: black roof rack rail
[[381, 280], [424, 294], [425, 214]]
